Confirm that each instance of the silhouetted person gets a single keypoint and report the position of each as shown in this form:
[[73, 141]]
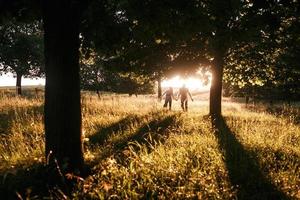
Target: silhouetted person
[[169, 96], [183, 93]]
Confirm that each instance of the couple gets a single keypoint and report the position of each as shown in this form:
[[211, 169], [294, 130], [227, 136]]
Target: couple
[[183, 93]]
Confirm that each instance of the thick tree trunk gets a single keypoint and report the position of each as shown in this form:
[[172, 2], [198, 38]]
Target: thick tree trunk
[[62, 91], [18, 84], [159, 91], [215, 98]]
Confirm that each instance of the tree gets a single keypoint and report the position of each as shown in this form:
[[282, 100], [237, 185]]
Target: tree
[[62, 115], [62, 111], [133, 83], [21, 50], [193, 26], [203, 32], [124, 42], [215, 28], [95, 76], [287, 38], [269, 62]]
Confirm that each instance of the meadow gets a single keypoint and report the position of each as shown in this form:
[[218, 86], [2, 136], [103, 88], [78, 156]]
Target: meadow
[[138, 150]]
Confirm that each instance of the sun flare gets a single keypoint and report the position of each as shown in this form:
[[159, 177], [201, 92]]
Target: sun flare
[[191, 83]]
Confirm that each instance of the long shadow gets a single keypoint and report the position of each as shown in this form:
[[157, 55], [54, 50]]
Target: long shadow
[[156, 129], [148, 134], [122, 125], [243, 168]]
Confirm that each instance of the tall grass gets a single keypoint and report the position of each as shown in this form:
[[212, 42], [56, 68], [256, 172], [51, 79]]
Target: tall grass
[[138, 150], [21, 131]]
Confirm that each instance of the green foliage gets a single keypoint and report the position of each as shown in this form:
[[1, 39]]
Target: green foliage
[[258, 41], [21, 10], [267, 66], [168, 37], [21, 48], [135, 84], [95, 76]]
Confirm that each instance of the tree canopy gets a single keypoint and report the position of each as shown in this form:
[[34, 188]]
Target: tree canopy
[[21, 50]]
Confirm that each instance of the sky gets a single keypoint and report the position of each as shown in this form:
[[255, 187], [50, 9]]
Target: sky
[[191, 83], [176, 82], [9, 80]]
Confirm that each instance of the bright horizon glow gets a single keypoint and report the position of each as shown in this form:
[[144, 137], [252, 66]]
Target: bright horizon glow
[[191, 83], [9, 80], [175, 82]]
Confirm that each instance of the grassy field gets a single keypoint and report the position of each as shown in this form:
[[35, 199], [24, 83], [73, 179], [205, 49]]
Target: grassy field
[[137, 150]]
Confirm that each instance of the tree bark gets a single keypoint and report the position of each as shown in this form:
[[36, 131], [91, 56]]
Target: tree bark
[[62, 92], [159, 91], [215, 98], [18, 84]]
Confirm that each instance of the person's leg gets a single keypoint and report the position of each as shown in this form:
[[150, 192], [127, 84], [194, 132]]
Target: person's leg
[[170, 104], [166, 103], [182, 104], [186, 105]]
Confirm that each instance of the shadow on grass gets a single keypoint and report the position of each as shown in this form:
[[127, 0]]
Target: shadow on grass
[[23, 183], [150, 132], [122, 125], [4, 122], [243, 168], [35, 182], [152, 129]]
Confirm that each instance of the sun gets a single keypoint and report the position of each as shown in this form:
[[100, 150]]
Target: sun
[[191, 82]]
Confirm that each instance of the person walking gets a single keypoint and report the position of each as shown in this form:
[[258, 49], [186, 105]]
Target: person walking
[[183, 94], [169, 96]]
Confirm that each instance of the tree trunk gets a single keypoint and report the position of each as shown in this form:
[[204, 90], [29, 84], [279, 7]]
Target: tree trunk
[[159, 91], [18, 84], [62, 92], [98, 93], [215, 98], [247, 100], [287, 91]]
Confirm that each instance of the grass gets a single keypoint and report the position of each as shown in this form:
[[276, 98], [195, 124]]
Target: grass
[[137, 150]]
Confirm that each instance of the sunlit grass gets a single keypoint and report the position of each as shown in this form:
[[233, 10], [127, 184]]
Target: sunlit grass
[[21, 137], [138, 150]]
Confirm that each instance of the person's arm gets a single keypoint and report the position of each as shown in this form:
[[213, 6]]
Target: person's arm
[[190, 96]]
